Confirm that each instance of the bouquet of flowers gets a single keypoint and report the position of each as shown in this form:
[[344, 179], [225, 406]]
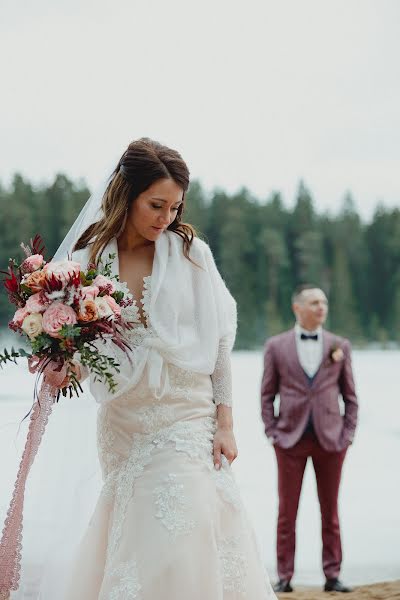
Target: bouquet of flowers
[[62, 310]]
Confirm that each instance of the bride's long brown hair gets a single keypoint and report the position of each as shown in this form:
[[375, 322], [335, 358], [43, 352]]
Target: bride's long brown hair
[[143, 163]]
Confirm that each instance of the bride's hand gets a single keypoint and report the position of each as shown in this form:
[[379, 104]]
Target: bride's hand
[[224, 443], [75, 367]]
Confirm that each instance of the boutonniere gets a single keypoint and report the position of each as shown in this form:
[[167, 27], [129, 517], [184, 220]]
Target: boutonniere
[[336, 354]]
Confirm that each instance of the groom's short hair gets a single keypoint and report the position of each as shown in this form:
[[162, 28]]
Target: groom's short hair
[[296, 296]]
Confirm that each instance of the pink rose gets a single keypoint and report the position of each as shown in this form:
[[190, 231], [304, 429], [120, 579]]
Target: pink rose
[[32, 263], [89, 292], [19, 316], [113, 305], [104, 284], [62, 270], [36, 303], [56, 316]]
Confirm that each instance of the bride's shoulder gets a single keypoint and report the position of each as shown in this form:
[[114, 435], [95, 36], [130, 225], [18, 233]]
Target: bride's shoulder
[[199, 249], [200, 253], [199, 246]]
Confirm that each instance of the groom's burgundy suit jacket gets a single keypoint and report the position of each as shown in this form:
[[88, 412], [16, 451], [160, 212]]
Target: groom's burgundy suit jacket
[[301, 398]]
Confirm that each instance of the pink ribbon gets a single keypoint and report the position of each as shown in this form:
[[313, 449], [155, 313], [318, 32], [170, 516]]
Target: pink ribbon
[[54, 372], [11, 541]]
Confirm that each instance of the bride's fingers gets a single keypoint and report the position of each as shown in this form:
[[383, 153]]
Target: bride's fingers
[[217, 456], [230, 454]]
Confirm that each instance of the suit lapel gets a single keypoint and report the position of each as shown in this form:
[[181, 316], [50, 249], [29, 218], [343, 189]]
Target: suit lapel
[[292, 355], [327, 340]]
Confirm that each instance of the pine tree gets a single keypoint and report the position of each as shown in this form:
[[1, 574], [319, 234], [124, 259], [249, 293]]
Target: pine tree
[[343, 315]]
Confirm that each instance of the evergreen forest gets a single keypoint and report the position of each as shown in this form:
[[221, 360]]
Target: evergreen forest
[[263, 249]]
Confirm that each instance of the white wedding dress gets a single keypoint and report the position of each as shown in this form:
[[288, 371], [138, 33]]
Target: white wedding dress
[[167, 525]]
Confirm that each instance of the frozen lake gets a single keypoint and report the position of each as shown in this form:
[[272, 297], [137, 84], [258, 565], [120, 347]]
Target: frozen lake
[[370, 495]]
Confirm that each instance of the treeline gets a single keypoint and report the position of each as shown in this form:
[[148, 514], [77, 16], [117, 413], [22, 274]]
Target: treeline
[[263, 249]]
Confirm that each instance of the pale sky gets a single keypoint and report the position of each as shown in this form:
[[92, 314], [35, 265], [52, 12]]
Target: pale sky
[[255, 93]]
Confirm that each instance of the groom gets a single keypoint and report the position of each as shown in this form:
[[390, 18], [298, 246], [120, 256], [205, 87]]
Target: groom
[[309, 368]]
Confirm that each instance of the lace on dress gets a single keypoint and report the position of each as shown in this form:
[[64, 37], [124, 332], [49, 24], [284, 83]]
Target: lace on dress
[[140, 330], [132, 313]]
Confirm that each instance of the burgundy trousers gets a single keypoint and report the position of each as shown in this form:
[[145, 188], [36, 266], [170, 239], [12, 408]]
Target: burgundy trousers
[[328, 469]]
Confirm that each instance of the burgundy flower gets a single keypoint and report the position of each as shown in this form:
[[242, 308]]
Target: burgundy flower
[[37, 245], [11, 284]]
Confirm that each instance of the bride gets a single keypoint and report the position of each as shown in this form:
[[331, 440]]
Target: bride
[[169, 522]]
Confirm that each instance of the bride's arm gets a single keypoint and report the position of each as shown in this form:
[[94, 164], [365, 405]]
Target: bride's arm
[[224, 440]]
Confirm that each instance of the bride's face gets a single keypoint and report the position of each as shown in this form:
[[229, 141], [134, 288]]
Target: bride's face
[[155, 209]]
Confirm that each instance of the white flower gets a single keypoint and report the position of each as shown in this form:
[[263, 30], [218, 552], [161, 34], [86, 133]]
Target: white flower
[[103, 308], [337, 355], [56, 295], [32, 325]]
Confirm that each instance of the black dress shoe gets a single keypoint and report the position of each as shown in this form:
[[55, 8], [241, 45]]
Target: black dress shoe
[[335, 585], [283, 586]]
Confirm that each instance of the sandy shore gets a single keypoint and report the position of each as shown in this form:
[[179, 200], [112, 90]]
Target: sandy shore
[[378, 591]]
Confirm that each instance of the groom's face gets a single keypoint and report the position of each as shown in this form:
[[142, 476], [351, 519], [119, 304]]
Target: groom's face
[[311, 309]]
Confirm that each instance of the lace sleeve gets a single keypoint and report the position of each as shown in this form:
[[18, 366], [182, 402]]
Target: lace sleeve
[[222, 376]]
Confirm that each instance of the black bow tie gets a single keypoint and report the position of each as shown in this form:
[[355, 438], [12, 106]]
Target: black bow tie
[[309, 337]]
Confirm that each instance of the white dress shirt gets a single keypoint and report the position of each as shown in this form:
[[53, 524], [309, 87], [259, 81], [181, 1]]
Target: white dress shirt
[[309, 351]]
